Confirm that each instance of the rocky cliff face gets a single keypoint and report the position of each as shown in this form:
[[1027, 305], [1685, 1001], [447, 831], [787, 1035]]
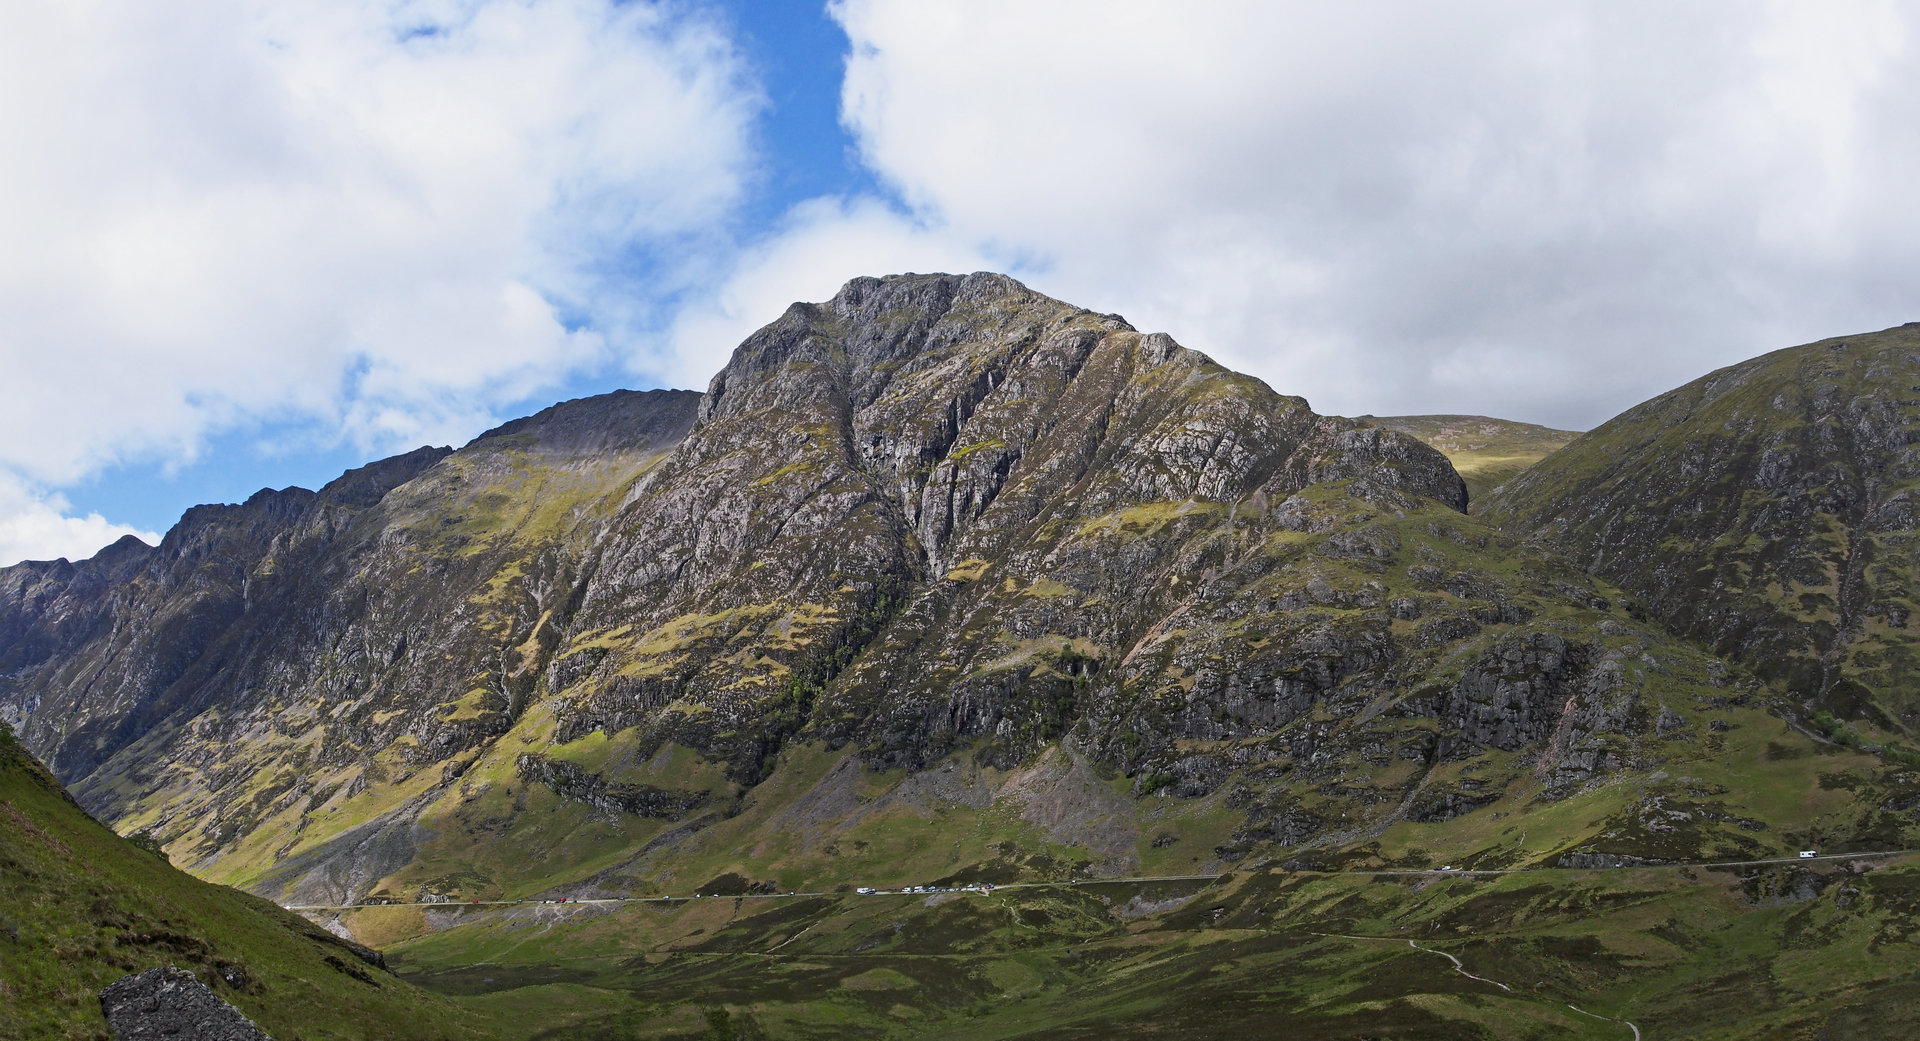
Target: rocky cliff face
[[110, 648], [1767, 510], [303, 646], [859, 464], [937, 518]]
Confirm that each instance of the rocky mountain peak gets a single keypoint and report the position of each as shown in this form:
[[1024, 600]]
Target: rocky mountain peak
[[934, 512]]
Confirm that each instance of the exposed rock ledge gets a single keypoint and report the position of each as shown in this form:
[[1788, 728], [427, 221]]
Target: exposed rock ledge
[[571, 782]]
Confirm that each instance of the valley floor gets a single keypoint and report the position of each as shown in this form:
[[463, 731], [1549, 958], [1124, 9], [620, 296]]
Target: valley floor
[[1826, 950]]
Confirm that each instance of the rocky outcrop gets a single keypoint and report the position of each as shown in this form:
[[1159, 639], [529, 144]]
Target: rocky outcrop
[[1536, 690], [570, 781], [1778, 886], [1444, 804], [169, 1004]]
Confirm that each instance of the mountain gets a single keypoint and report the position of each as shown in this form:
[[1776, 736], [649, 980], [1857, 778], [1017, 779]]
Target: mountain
[[1766, 510], [935, 514], [1487, 452], [81, 907], [939, 580], [305, 642]]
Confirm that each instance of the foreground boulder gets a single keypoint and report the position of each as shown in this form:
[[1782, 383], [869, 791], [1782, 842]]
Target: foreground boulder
[[172, 1003]]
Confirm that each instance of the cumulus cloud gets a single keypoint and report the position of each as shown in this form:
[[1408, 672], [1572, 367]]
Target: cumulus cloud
[[35, 526], [387, 220], [329, 207], [376, 221], [819, 246], [1544, 211]]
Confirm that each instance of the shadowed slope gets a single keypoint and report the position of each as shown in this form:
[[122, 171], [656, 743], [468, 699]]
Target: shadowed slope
[[80, 907], [1767, 510]]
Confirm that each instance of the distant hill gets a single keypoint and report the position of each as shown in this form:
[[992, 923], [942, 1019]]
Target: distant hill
[[1488, 452], [80, 907]]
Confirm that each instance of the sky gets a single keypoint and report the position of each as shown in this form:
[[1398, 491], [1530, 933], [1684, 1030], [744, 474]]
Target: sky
[[249, 244]]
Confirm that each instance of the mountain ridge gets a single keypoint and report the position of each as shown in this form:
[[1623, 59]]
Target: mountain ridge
[[938, 408], [933, 514], [940, 579]]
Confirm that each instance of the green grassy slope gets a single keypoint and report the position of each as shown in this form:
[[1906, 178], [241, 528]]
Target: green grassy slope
[[1488, 452], [80, 907], [1765, 510], [1457, 709], [1708, 953], [1790, 950]]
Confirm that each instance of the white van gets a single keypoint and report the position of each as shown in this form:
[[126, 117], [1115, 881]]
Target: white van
[[1809, 854]]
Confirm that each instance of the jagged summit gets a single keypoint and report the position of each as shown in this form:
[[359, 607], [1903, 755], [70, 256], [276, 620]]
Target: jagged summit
[[888, 322]]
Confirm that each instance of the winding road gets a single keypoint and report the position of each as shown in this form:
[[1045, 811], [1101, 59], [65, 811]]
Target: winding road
[[1373, 872]]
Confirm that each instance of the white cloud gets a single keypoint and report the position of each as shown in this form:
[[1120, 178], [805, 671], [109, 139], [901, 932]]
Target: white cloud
[[37, 526], [381, 220], [1548, 211], [387, 220]]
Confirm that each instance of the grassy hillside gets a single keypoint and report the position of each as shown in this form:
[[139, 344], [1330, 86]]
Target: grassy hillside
[[1774, 951], [1300, 941], [1488, 452], [1767, 511], [1505, 679], [1266, 954], [80, 907]]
